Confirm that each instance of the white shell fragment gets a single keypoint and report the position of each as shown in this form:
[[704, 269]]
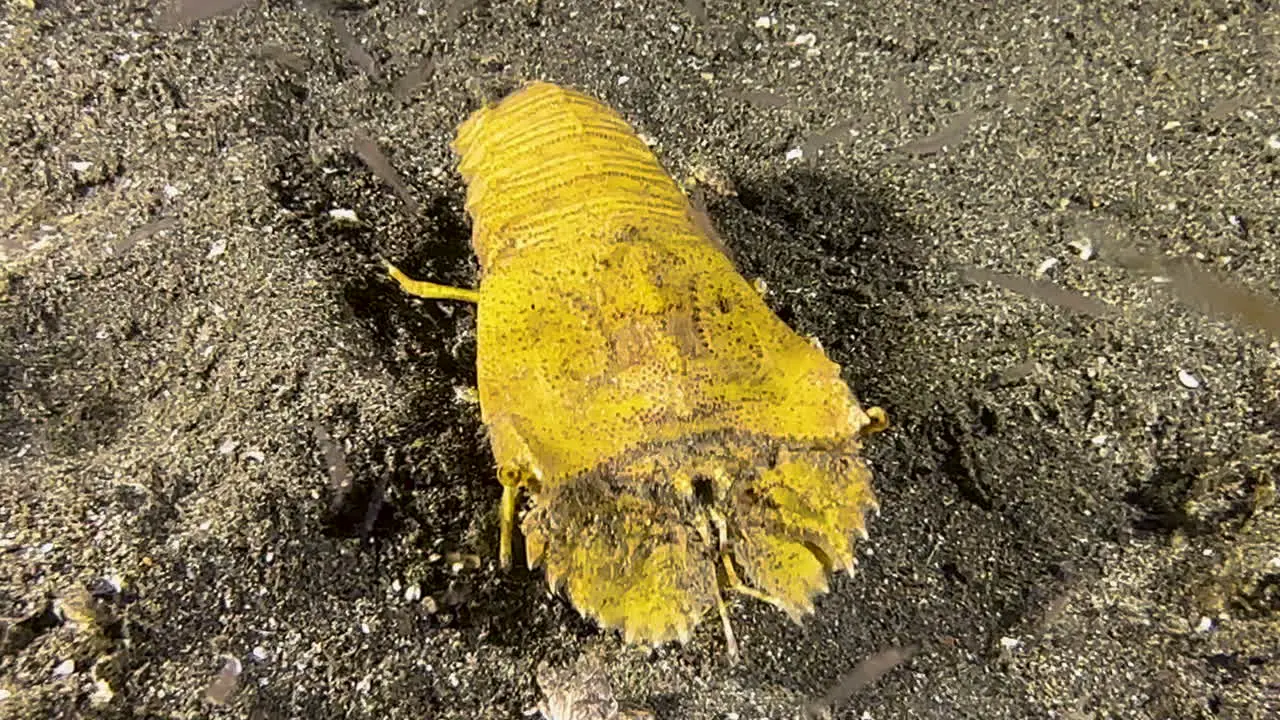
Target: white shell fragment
[[1083, 247], [1188, 380], [581, 691]]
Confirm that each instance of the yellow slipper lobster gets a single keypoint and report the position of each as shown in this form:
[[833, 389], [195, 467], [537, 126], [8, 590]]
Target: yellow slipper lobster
[[674, 437]]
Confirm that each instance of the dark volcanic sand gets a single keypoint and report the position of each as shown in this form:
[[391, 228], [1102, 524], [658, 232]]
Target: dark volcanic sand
[[1068, 530]]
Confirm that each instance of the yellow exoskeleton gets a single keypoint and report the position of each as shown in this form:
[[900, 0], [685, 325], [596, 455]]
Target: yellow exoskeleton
[[675, 438]]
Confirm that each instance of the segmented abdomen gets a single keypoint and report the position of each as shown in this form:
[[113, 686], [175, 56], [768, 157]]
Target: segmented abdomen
[[547, 162]]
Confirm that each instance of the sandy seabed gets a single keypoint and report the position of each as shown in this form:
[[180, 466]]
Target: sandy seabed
[[1078, 490]]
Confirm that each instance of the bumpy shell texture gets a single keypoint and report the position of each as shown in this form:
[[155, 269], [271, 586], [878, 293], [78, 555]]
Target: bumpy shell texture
[[675, 438]]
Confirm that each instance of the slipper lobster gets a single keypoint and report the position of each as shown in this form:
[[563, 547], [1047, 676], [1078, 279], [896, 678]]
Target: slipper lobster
[[674, 438]]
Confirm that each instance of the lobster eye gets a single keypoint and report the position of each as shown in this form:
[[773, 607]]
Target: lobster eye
[[703, 490]]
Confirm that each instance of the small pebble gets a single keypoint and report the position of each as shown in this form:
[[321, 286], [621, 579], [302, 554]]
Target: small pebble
[[102, 693], [64, 669], [1188, 380]]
